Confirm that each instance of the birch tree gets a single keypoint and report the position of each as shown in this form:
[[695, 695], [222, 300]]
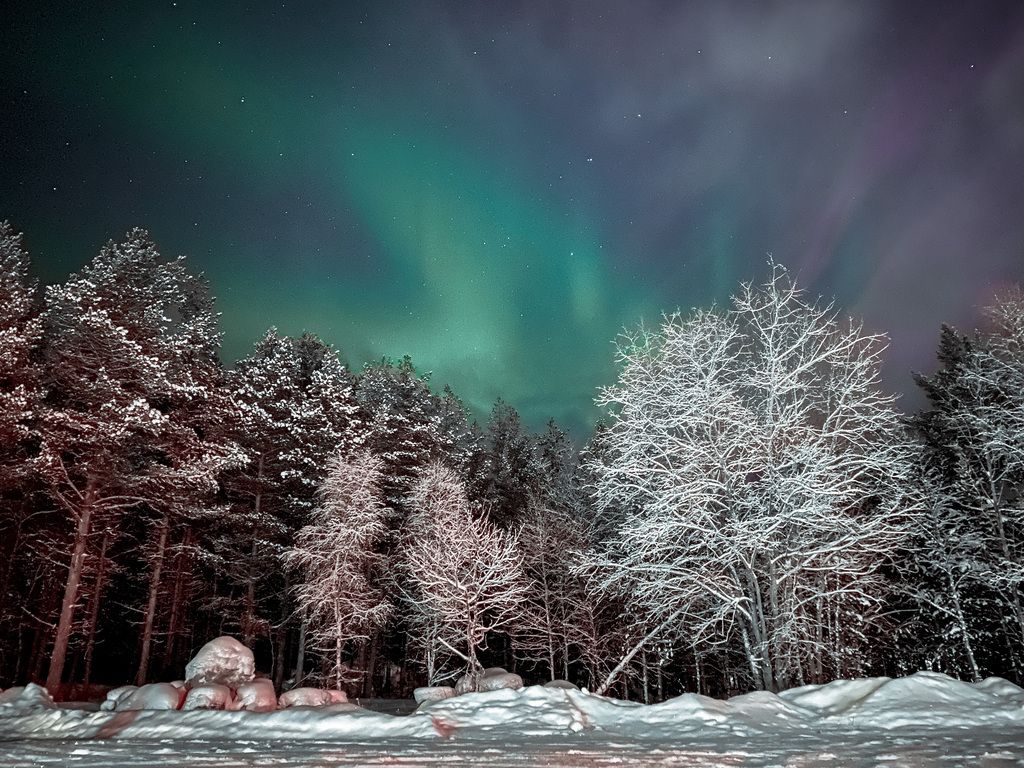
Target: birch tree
[[465, 574], [756, 474], [554, 627]]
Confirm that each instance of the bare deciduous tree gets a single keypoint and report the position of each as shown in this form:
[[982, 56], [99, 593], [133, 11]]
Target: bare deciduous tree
[[465, 574], [757, 475], [336, 556]]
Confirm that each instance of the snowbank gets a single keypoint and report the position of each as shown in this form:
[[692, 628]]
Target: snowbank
[[921, 701], [925, 699], [25, 699]]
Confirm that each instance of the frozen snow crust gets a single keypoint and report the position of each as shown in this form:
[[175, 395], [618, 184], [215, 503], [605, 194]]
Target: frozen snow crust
[[924, 700]]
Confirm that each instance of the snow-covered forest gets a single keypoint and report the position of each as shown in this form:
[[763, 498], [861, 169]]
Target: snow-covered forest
[[753, 513]]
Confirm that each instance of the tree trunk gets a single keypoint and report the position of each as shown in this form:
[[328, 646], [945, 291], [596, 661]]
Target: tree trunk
[[154, 590], [67, 607], [369, 681], [94, 609], [173, 624], [301, 660], [282, 635], [249, 615], [11, 555], [646, 681], [633, 652]]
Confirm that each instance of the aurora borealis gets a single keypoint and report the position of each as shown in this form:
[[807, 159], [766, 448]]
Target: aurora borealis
[[497, 188]]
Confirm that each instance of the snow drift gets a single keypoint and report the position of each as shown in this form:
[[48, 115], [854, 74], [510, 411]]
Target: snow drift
[[924, 700]]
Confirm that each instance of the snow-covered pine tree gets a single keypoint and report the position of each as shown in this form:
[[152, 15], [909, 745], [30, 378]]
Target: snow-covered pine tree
[[505, 472], [20, 332], [456, 438], [973, 445], [20, 394], [131, 372], [337, 559], [399, 410], [297, 409]]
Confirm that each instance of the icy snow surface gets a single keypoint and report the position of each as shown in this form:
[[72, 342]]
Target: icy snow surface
[[923, 720]]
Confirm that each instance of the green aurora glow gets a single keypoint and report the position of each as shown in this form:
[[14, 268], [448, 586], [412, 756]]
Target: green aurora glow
[[496, 190]]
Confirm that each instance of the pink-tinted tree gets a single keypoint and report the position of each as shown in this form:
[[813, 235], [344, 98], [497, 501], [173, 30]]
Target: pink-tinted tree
[[465, 574], [132, 374], [336, 558]]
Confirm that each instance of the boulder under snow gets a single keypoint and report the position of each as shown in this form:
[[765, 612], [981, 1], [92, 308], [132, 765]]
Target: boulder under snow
[[209, 697], [222, 661], [257, 696], [27, 697], [152, 696], [116, 695], [433, 693], [310, 697]]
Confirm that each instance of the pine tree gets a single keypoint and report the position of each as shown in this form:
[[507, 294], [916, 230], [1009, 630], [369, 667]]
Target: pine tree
[[20, 332], [399, 409], [297, 409], [132, 369], [973, 448], [20, 396], [506, 475]]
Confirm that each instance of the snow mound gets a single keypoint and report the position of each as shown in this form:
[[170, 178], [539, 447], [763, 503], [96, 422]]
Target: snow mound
[[209, 697], [222, 661], [25, 699], [115, 695], [257, 696], [1003, 688], [152, 696], [923, 699], [689, 712], [310, 697], [835, 697], [500, 680], [930, 699], [433, 693], [762, 709], [531, 711]]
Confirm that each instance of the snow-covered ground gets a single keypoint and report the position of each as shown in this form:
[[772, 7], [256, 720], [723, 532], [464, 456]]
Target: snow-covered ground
[[922, 720]]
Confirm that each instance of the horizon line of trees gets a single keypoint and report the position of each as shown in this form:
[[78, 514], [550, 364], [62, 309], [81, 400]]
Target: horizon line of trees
[[754, 513]]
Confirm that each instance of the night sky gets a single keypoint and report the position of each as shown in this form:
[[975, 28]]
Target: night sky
[[497, 188]]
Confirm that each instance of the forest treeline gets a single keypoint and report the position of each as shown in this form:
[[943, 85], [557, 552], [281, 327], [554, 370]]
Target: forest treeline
[[754, 512]]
